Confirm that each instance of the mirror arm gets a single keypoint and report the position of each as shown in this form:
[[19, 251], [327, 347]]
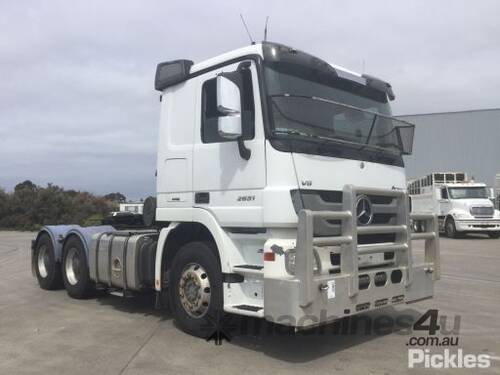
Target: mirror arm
[[244, 151]]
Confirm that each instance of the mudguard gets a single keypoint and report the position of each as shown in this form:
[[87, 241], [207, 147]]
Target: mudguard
[[60, 233]]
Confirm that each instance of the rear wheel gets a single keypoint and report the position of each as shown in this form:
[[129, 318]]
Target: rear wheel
[[75, 270], [48, 271], [450, 229], [494, 234], [195, 290]]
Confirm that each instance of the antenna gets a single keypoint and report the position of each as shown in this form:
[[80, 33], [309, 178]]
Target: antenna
[[246, 28], [265, 29]]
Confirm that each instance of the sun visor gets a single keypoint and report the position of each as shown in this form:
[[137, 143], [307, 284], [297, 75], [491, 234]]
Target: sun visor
[[379, 85], [275, 52]]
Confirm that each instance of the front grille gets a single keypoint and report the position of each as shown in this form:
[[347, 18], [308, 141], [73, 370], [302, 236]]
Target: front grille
[[384, 212], [482, 211], [364, 239]]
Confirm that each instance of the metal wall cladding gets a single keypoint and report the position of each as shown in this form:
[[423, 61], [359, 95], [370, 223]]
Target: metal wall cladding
[[123, 259], [456, 141]]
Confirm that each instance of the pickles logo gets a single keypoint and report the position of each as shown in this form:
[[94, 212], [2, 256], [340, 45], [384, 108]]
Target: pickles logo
[[447, 359]]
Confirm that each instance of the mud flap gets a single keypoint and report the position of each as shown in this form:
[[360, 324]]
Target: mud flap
[[422, 286]]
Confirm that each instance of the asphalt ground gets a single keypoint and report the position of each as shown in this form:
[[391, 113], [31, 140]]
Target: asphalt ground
[[46, 332]]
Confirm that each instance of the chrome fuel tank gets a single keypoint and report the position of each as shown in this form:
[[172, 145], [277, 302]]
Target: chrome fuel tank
[[123, 259]]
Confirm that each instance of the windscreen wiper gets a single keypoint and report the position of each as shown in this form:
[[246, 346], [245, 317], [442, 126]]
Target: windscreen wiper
[[325, 140], [293, 132]]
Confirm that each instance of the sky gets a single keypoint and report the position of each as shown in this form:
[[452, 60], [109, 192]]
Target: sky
[[77, 103]]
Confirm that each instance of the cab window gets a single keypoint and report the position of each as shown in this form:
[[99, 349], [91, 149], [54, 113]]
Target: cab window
[[444, 193], [210, 114]]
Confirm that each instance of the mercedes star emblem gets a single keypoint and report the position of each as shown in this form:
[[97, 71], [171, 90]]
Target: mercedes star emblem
[[364, 212]]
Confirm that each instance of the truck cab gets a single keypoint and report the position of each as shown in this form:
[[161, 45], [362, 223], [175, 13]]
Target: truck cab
[[462, 205], [280, 195]]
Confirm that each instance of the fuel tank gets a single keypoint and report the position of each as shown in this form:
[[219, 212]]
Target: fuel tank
[[123, 259]]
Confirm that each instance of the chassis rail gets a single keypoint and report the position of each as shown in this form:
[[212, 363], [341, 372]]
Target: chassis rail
[[349, 247]]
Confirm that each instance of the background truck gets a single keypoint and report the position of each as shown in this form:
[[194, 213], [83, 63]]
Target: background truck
[[280, 195], [462, 205]]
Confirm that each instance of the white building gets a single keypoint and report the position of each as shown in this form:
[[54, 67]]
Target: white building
[[135, 208]]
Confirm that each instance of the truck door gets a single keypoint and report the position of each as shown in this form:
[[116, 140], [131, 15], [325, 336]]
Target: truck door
[[444, 201], [223, 181]]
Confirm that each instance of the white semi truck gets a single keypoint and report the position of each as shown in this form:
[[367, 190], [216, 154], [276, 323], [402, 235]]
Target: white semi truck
[[280, 195], [462, 205]]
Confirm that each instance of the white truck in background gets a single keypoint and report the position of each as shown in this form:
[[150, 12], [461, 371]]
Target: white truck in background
[[280, 195], [132, 207], [462, 205]]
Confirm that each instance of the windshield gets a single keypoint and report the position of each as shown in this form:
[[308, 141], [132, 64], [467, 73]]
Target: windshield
[[332, 109], [468, 192]]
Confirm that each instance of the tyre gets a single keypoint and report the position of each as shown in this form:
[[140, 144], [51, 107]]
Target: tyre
[[494, 234], [450, 229], [75, 269], [195, 289], [47, 270]]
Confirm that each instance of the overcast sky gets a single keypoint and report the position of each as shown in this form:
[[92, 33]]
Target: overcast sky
[[77, 104]]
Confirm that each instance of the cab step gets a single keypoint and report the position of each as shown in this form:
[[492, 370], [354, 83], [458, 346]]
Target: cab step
[[249, 269], [113, 291], [121, 293], [248, 310]]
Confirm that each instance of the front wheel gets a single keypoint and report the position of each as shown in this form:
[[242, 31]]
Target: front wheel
[[450, 229], [75, 270], [494, 235], [195, 290]]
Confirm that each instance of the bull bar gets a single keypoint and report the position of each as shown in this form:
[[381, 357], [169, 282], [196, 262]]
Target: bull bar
[[349, 247]]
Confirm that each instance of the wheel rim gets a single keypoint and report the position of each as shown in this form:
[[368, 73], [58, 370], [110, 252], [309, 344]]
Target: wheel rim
[[43, 261], [72, 266], [194, 290]]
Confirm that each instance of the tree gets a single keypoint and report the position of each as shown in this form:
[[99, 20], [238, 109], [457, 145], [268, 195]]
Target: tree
[[30, 206], [116, 197], [26, 185]]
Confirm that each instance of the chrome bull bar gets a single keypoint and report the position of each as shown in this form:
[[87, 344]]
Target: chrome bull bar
[[348, 243]]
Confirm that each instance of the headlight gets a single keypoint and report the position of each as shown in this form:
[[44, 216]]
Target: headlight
[[290, 261], [461, 216]]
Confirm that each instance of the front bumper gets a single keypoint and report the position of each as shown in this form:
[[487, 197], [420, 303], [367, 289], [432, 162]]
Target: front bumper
[[478, 225], [281, 297], [311, 298]]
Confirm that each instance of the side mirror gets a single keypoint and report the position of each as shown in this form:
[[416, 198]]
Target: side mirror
[[405, 134], [229, 107]]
